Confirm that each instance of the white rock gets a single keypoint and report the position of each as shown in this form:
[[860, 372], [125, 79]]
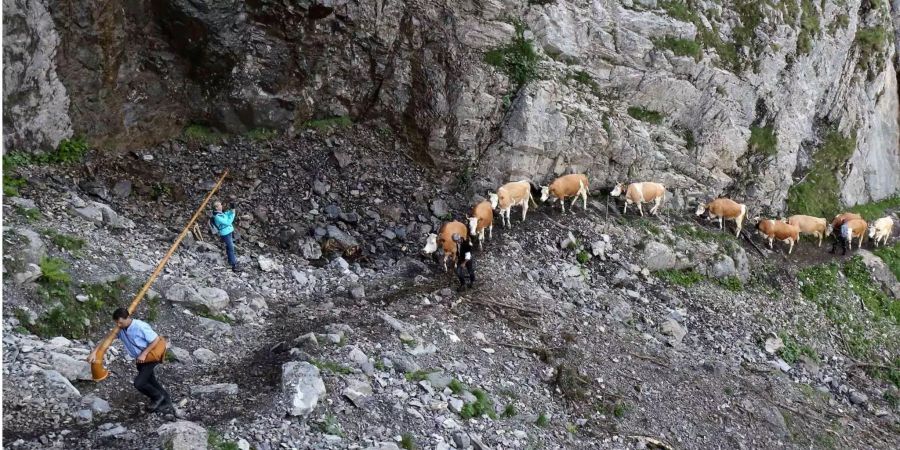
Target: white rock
[[358, 391], [302, 386], [267, 264], [215, 389], [60, 384]]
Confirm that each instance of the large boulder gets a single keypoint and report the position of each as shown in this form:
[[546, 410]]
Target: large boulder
[[214, 299], [302, 386], [71, 368], [182, 435], [658, 256]]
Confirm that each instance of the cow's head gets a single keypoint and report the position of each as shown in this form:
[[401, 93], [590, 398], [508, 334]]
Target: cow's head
[[473, 225], [430, 244], [618, 190], [545, 193]]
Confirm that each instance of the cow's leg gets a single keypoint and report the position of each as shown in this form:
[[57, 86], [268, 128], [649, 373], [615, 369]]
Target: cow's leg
[[738, 232], [562, 204], [640, 209], [770, 242], [584, 195], [491, 231], [820, 238], [721, 224], [791, 248], [524, 211], [572, 205], [626, 208]]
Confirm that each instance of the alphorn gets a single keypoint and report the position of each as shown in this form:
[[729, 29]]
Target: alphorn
[[98, 372]]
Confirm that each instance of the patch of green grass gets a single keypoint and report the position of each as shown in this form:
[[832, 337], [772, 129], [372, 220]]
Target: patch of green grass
[[818, 194], [620, 408], [329, 123], [30, 215], [645, 115], [763, 140], [680, 46], [583, 257], [841, 21], [607, 126], [571, 428], [542, 420], [876, 210], [891, 257], [152, 309], [685, 278], [12, 184], [483, 405], [201, 134], [871, 42], [408, 442], [68, 317], [261, 134], [64, 241], [418, 375], [379, 364], [817, 281], [205, 312], [702, 234], [112, 292], [876, 301], [331, 426], [583, 78], [678, 10], [215, 441], [792, 349], [809, 26], [53, 272], [892, 398], [509, 411], [331, 366], [456, 387], [160, 190], [518, 59], [733, 284]]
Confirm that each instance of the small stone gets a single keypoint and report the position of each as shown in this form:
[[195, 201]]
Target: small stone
[[204, 355], [675, 330], [220, 389], [267, 264], [320, 188], [340, 264], [138, 266], [182, 435], [773, 344], [99, 406], [122, 189], [84, 416], [358, 392], [858, 398], [439, 208], [358, 292], [461, 439], [302, 386], [389, 235], [456, 405]]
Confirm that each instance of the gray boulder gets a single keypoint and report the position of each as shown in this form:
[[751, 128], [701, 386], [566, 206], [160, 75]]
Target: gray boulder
[[214, 299], [343, 239], [71, 368], [182, 435], [658, 256]]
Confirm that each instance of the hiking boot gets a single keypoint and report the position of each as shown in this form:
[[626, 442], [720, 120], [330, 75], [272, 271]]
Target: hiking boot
[[155, 405], [237, 269]]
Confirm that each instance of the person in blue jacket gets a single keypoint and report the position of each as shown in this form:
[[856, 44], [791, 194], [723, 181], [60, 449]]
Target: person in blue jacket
[[223, 221]]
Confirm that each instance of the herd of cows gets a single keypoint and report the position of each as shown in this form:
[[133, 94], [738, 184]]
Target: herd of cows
[[846, 226]]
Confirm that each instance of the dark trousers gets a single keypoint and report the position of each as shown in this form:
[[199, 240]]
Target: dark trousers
[[461, 271], [842, 242], [229, 248], [146, 382]]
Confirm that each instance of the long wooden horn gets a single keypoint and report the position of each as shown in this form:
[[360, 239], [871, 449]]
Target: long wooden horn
[[98, 372]]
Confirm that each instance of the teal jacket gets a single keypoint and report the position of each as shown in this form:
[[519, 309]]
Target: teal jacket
[[223, 222]]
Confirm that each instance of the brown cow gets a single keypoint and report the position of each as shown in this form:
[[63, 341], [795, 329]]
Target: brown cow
[[776, 229], [444, 240], [482, 217], [723, 208], [574, 185]]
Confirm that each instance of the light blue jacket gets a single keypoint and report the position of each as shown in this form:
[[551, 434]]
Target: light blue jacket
[[223, 222]]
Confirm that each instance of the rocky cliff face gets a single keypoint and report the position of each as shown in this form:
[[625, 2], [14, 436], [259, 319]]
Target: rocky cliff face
[[709, 97]]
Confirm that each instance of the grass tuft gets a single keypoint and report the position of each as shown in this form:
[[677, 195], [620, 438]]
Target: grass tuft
[[685, 278], [331, 366], [329, 123], [763, 140], [542, 420], [518, 59], [645, 115], [680, 46], [818, 194], [200, 134]]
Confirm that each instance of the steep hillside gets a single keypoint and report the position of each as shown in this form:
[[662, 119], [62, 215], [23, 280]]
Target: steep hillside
[[585, 330], [710, 97]]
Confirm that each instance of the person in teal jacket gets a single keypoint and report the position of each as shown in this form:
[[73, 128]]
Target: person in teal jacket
[[223, 221]]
